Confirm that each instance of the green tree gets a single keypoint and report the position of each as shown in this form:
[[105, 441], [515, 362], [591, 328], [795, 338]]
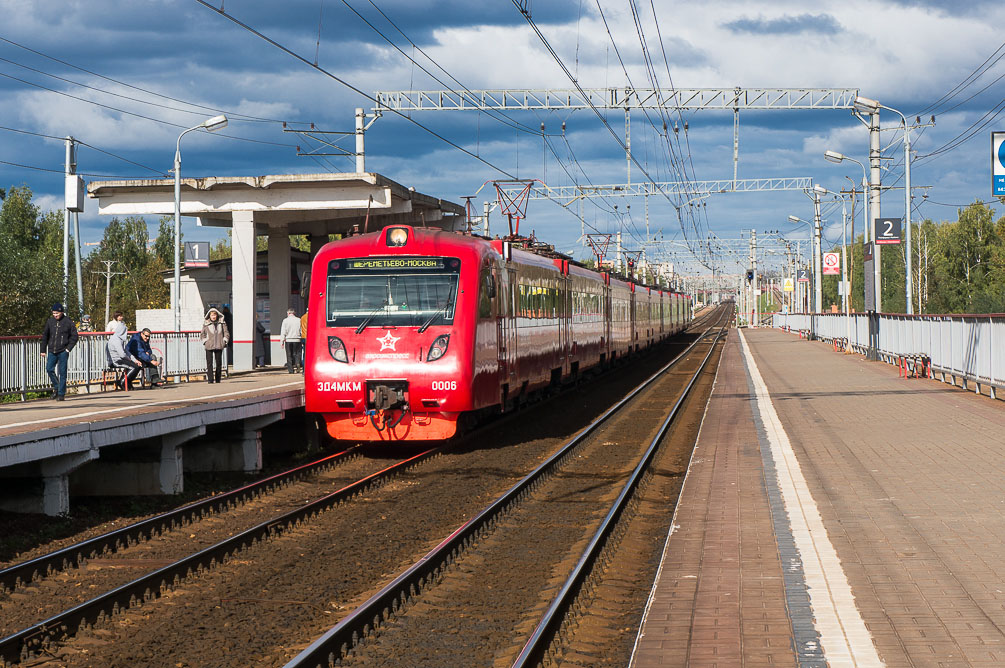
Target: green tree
[[139, 285], [164, 243], [31, 263]]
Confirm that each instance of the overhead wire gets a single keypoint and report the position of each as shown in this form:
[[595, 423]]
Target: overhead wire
[[137, 115], [59, 171], [348, 85], [232, 114], [496, 115], [83, 143], [579, 88], [967, 81]]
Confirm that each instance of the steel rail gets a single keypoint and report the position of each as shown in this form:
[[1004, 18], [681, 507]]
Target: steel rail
[[547, 629], [71, 556], [351, 630], [151, 585]]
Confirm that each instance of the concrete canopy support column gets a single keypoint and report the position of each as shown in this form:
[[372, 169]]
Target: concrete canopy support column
[[240, 451], [172, 468], [279, 291], [149, 467], [243, 288], [56, 481]]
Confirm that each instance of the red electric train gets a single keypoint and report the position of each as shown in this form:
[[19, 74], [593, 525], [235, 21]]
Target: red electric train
[[415, 329]]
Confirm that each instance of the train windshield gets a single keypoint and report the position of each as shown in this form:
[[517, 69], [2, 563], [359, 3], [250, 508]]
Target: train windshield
[[398, 291]]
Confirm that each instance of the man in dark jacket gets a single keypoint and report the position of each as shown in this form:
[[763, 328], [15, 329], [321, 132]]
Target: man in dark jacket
[[139, 347], [58, 339]]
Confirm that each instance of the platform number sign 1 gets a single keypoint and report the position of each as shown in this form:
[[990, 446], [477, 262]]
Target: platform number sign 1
[[196, 254], [998, 164], [887, 230]]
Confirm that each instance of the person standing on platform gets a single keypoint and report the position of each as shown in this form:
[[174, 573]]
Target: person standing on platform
[[303, 339], [258, 345], [118, 317], [85, 324], [289, 335], [215, 337], [58, 339], [228, 320]]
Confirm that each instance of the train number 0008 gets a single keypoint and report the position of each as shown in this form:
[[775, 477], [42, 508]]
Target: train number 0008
[[444, 385]]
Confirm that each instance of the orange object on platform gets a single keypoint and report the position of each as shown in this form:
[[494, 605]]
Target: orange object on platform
[[413, 427]]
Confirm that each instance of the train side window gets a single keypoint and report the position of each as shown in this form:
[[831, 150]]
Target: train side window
[[485, 295]]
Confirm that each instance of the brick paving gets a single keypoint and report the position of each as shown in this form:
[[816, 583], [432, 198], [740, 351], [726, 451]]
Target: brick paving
[[909, 479], [721, 598]]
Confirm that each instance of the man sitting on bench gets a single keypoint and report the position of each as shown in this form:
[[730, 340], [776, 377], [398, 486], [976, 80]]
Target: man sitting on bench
[[139, 347], [118, 358]]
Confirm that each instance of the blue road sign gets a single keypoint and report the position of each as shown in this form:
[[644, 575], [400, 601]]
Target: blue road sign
[[997, 164]]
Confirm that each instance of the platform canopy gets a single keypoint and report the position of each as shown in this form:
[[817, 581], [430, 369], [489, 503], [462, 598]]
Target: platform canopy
[[274, 206], [314, 204]]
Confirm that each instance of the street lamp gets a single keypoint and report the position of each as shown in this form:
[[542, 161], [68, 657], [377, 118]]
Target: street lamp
[[866, 105], [835, 157], [210, 125], [812, 266]]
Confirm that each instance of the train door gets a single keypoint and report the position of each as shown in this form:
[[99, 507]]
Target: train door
[[607, 310], [565, 320], [506, 328]]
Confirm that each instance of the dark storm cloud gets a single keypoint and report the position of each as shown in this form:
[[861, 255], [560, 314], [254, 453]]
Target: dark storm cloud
[[786, 25]]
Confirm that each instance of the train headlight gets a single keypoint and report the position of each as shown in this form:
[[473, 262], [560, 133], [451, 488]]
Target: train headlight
[[337, 349], [439, 348], [397, 236]]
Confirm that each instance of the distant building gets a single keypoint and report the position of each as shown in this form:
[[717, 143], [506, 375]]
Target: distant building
[[213, 286]]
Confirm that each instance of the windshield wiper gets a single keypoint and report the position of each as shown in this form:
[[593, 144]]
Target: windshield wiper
[[442, 310], [369, 318]]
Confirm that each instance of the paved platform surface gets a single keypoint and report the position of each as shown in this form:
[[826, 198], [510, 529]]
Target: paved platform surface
[[42, 414], [834, 514]]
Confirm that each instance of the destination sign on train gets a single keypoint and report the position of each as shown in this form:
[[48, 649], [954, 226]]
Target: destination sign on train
[[397, 263]]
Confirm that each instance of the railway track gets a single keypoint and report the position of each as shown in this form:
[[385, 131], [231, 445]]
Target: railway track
[[166, 568], [507, 538], [41, 636]]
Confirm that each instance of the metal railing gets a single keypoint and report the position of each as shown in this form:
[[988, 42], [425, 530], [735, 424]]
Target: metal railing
[[960, 346], [22, 367]]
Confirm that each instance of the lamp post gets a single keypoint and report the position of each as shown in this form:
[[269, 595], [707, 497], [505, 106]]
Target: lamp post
[[908, 279], [835, 157], [812, 265], [210, 125]]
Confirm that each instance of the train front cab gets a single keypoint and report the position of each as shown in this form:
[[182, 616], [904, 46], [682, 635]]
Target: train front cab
[[392, 350]]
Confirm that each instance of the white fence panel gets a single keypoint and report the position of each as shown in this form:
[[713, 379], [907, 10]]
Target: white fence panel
[[22, 366], [960, 345]]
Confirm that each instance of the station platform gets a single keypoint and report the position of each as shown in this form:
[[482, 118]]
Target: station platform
[[45, 440], [833, 514]]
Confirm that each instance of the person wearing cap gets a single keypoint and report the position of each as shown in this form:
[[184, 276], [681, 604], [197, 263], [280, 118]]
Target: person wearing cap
[[58, 339], [289, 335], [85, 324]]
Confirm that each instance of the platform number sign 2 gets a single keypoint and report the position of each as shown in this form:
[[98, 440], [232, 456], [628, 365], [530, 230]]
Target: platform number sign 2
[[887, 230]]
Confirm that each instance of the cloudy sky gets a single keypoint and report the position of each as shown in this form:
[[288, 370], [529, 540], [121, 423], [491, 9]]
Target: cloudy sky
[[125, 76]]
